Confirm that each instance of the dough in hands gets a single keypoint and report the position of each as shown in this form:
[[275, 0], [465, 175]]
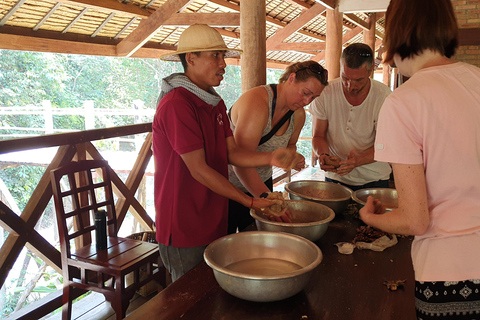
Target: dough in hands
[[333, 161]]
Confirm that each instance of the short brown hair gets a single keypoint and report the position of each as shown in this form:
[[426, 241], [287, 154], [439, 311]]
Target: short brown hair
[[412, 26], [305, 70], [358, 54]]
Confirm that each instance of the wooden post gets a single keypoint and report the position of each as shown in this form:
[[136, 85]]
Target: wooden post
[[333, 50], [386, 74], [139, 106], [369, 35], [47, 116], [253, 43], [89, 114]]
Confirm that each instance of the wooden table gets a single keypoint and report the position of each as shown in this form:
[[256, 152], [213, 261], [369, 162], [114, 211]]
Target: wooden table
[[342, 287]]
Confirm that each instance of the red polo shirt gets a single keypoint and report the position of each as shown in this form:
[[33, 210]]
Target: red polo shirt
[[186, 210]]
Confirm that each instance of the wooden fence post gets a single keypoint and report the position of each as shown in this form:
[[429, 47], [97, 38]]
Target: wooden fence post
[[47, 116], [88, 105]]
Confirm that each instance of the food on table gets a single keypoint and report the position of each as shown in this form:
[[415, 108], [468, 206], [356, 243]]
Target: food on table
[[370, 238], [318, 193], [393, 285], [333, 161], [369, 234]]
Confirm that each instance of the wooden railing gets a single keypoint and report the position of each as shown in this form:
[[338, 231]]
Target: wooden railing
[[71, 147]]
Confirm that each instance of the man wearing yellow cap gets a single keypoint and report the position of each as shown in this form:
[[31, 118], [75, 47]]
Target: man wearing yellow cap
[[192, 146]]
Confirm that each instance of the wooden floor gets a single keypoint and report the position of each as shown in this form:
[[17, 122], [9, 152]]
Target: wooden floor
[[94, 306]]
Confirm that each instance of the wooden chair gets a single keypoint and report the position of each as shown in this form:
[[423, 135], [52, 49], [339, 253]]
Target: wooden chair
[[79, 189]]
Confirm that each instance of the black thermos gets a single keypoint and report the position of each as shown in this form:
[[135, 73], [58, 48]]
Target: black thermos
[[101, 229]]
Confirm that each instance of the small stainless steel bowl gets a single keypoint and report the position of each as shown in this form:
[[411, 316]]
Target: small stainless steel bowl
[[262, 266], [333, 195], [387, 196], [309, 219]]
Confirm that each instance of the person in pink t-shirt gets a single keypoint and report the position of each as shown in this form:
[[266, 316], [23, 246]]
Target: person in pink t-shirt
[[192, 147], [429, 131]]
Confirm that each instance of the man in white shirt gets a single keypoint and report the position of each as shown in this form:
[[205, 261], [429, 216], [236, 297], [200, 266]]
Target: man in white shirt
[[345, 121]]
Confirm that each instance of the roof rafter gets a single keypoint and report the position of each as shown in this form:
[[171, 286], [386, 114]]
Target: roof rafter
[[294, 25], [148, 27]]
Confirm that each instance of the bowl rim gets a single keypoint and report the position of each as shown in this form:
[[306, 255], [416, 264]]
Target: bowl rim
[[216, 267], [287, 188], [358, 200], [330, 217]]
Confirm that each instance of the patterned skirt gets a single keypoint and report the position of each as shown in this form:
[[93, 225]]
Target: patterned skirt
[[459, 300]]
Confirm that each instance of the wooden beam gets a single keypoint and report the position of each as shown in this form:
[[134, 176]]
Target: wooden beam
[[16, 225], [38, 44], [364, 24], [330, 4], [15, 42], [109, 6], [148, 27], [299, 3], [356, 20], [294, 26], [351, 34], [55, 140]]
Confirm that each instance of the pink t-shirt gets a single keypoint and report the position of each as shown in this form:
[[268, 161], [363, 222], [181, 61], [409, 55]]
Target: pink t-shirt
[[434, 119], [186, 210]]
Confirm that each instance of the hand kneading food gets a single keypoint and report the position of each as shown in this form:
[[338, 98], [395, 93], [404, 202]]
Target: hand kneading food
[[277, 209]]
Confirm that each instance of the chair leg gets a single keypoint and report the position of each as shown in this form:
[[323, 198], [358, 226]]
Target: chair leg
[[67, 303], [121, 300]]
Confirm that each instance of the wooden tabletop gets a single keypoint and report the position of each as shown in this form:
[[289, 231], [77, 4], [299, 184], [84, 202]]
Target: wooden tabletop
[[342, 287]]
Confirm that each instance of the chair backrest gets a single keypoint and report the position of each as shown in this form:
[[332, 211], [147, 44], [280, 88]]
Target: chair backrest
[[79, 189]]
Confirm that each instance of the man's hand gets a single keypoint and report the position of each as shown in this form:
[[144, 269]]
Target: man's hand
[[348, 165], [286, 159], [329, 163], [264, 205]]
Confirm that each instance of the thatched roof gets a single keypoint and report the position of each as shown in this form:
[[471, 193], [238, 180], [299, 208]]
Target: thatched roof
[[149, 28]]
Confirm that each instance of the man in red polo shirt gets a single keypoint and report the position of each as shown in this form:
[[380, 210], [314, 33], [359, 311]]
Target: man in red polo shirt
[[192, 146]]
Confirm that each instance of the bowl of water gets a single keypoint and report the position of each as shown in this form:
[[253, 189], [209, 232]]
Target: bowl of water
[[262, 266]]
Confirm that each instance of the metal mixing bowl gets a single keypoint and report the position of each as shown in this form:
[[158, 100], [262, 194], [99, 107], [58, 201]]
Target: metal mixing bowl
[[387, 196], [309, 219], [262, 266], [333, 195]]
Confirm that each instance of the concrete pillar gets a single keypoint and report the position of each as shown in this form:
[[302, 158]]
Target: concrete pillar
[[253, 42]]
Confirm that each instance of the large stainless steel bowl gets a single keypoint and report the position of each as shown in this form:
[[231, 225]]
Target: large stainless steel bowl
[[333, 195], [262, 266], [309, 219], [387, 196]]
